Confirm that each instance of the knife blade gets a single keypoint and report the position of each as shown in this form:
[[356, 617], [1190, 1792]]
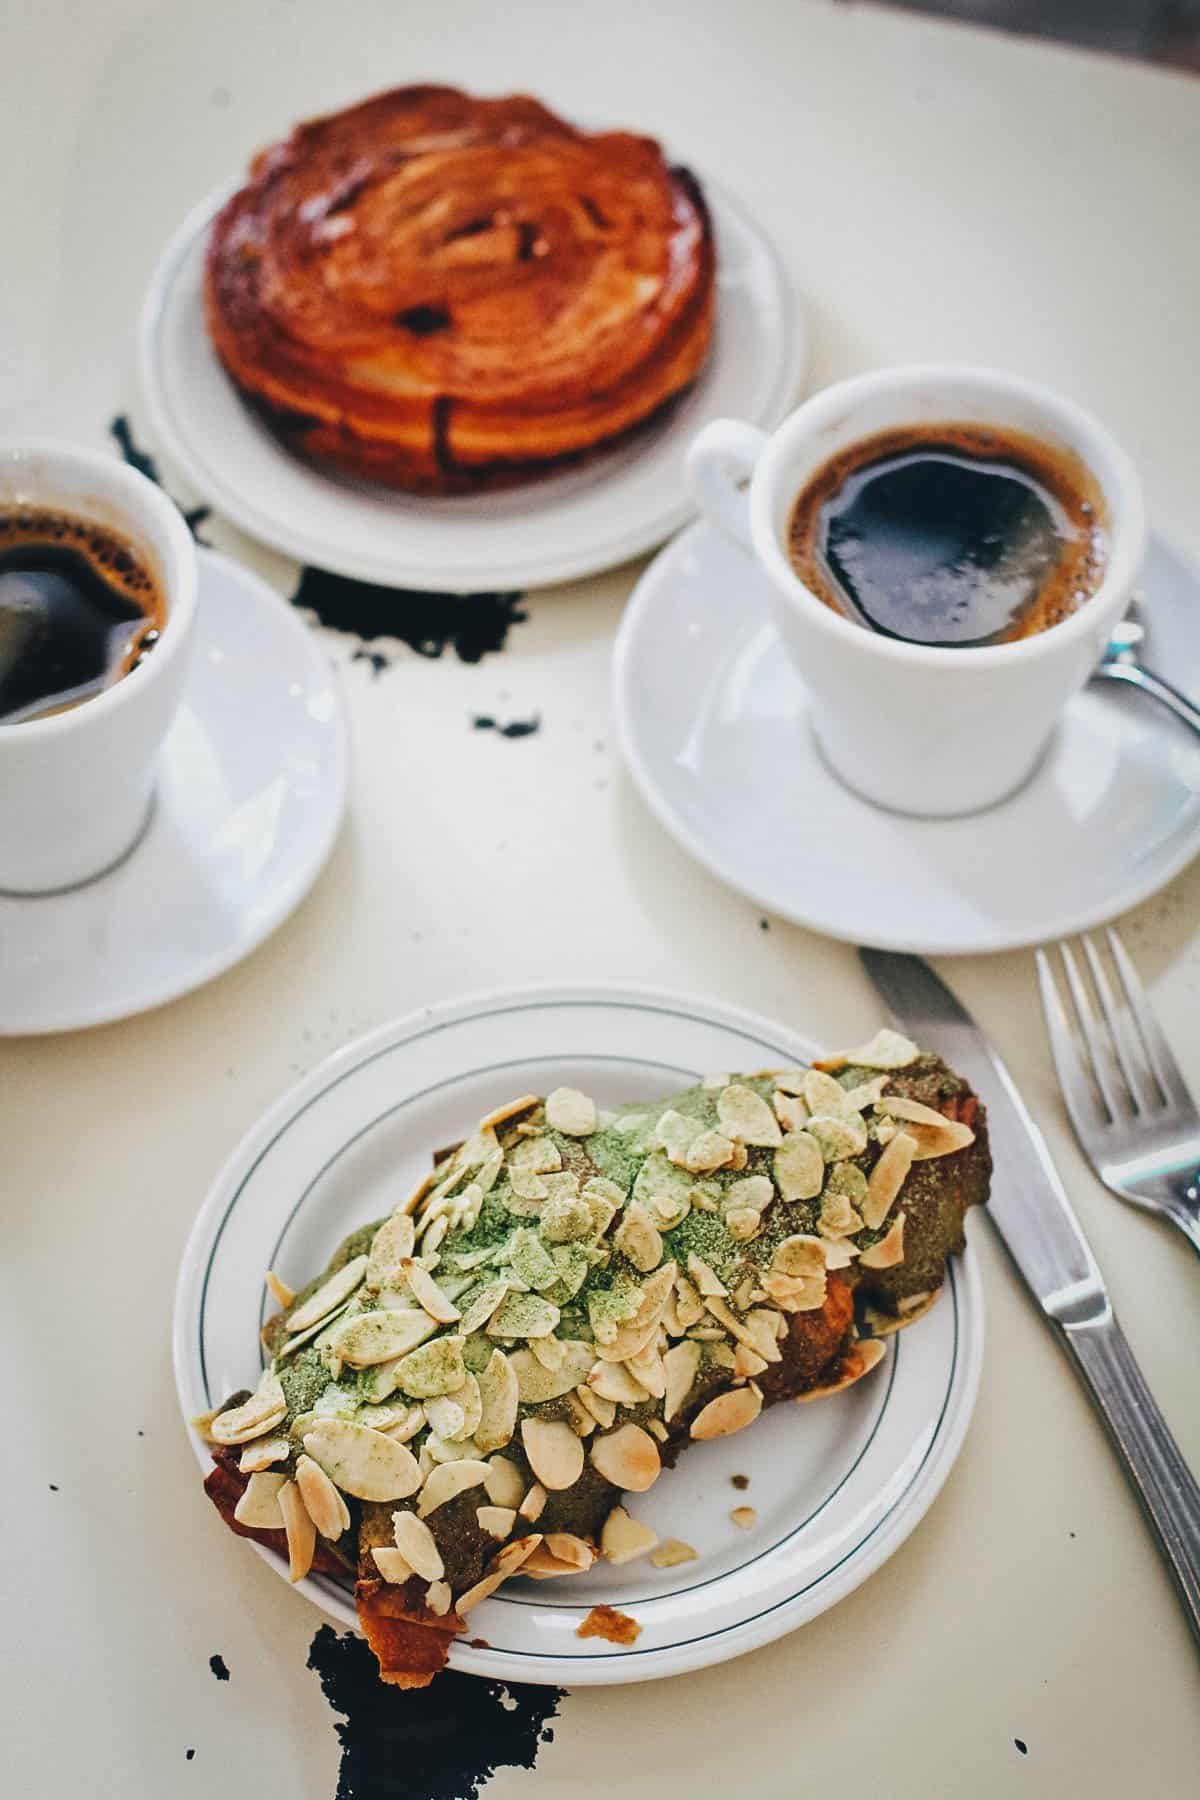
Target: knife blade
[[1028, 1205], [1029, 1208]]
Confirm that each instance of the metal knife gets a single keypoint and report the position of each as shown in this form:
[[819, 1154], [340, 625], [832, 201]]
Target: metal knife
[[1030, 1210]]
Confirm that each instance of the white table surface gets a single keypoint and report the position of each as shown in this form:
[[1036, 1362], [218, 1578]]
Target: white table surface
[[937, 192]]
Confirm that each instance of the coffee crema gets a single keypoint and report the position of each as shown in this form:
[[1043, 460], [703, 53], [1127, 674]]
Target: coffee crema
[[952, 534], [79, 609]]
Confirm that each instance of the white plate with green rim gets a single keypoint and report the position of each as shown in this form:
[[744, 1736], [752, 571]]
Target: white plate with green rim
[[836, 1486]]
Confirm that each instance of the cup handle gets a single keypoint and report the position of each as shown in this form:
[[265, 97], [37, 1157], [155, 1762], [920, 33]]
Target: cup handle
[[720, 460]]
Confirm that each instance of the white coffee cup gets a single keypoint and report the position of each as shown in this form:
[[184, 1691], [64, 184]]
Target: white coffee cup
[[76, 787], [913, 727]]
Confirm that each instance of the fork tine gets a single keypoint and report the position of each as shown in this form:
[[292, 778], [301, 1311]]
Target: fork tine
[[1092, 1035], [1159, 1055], [1118, 1030], [1086, 1116]]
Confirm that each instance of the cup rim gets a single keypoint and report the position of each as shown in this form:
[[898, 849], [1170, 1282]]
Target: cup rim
[[181, 576], [1126, 548]]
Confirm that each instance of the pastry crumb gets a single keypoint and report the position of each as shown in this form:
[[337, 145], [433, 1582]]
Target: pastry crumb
[[671, 1552], [745, 1517], [606, 1622], [741, 1482]]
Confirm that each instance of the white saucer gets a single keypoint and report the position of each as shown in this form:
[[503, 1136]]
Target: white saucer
[[836, 1487], [568, 525], [711, 718], [251, 790]]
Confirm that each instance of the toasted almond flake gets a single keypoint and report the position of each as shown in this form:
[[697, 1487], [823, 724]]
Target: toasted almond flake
[[572, 1113], [838, 1135], [524, 1315], [581, 1421], [533, 1505], [728, 1412], [710, 1150], [887, 1178], [615, 1383], [279, 1290], [254, 1417], [746, 1118], [706, 1280], [800, 1255], [549, 1351], [689, 1307], [743, 1294], [498, 1397], [638, 1331], [889, 1250], [934, 1134], [391, 1564], [379, 1337], [447, 1481], [623, 1538], [857, 1099], [725, 1315], [799, 1167], [762, 1324], [526, 1185], [258, 1508], [483, 1306], [715, 1081], [512, 1109], [657, 1430], [703, 1202], [301, 1532], [540, 1155], [671, 1552], [438, 1598], [744, 1517], [504, 1483], [536, 1384], [647, 1369], [791, 1081], [331, 1293], [569, 1549], [509, 1558], [392, 1243], [417, 1545], [886, 1050], [824, 1095], [748, 1362], [541, 1565], [706, 1334], [680, 1363], [260, 1453], [790, 1110], [603, 1198], [840, 1253], [497, 1521], [722, 1355], [796, 1293], [743, 1223], [628, 1457], [363, 1462], [326, 1508], [638, 1238], [555, 1453], [446, 1417], [483, 1587], [858, 1361], [437, 1449]]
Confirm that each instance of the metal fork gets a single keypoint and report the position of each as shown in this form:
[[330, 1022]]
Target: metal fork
[[1134, 1117]]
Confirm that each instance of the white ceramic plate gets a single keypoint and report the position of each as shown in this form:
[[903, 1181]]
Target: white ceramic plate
[[250, 795], [837, 1486], [712, 720], [573, 524]]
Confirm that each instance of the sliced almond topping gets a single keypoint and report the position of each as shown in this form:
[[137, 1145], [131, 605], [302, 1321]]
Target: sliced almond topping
[[791, 1081], [748, 1362], [392, 1243], [638, 1331], [379, 1337], [432, 1369], [581, 1420], [429, 1294], [326, 1508], [526, 1185], [446, 1418], [889, 1250], [483, 1306], [534, 1503], [861, 1357], [647, 1368], [715, 1081], [689, 1307], [498, 1398], [886, 1050], [497, 1521], [796, 1293], [417, 1545], [639, 1238], [790, 1110], [614, 1382], [762, 1325], [680, 1363], [840, 1253], [504, 1482], [511, 1110], [301, 1532], [539, 1154], [399, 1422], [623, 1538], [743, 1223], [746, 1118], [542, 1565], [438, 1598], [935, 1135], [569, 1549], [536, 1384], [331, 1293], [671, 1552], [260, 1453], [800, 1255], [279, 1290], [628, 1457], [838, 1135], [657, 1430], [728, 1412], [744, 1517], [887, 1178], [258, 1508], [866, 1094], [391, 1564], [603, 1411], [254, 1417], [363, 1462], [485, 1586], [822, 1094], [509, 1558], [572, 1113], [706, 1280], [711, 1150], [799, 1167], [549, 1351], [447, 1481], [555, 1453]]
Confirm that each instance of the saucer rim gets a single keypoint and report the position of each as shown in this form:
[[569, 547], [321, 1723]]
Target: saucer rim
[[642, 600], [292, 890]]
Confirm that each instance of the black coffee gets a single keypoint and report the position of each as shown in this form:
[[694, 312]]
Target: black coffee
[[78, 609], [955, 535]]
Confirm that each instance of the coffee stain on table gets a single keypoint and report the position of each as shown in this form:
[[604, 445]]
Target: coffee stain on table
[[217, 1665], [516, 728], [144, 463], [472, 625], [436, 1743]]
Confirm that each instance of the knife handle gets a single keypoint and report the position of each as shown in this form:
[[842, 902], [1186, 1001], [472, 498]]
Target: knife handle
[[1161, 1479]]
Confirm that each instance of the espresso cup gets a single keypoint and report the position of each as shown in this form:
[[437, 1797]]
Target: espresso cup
[[919, 728], [76, 786]]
